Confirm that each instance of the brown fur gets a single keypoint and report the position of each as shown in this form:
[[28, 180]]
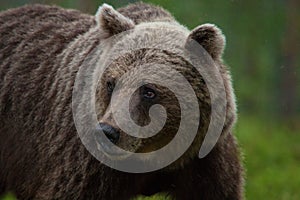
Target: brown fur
[[41, 155]]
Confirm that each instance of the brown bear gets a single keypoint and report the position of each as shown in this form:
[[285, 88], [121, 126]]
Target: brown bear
[[42, 48]]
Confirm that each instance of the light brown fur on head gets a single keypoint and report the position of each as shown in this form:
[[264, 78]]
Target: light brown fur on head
[[148, 36]]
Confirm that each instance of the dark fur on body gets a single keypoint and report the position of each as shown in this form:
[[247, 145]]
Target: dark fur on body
[[41, 155]]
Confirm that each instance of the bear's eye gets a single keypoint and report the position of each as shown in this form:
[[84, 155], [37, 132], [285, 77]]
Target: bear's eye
[[110, 87], [149, 93]]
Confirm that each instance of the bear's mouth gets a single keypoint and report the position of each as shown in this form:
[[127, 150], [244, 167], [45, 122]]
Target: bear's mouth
[[111, 150], [108, 148]]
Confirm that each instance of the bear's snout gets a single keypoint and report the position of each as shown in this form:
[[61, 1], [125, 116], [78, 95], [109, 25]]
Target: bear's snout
[[111, 133]]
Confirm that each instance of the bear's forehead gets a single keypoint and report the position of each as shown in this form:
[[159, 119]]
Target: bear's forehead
[[148, 43], [154, 35], [146, 57]]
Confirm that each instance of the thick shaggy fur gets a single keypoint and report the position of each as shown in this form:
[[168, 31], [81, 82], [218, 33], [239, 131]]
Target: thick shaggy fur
[[41, 155]]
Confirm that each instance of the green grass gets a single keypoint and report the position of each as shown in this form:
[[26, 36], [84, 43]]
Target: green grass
[[272, 159], [271, 156], [154, 197], [8, 196]]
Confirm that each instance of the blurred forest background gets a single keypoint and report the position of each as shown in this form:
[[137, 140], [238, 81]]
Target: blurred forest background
[[263, 52]]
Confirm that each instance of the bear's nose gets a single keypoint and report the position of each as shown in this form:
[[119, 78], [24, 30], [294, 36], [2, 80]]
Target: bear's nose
[[111, 133]]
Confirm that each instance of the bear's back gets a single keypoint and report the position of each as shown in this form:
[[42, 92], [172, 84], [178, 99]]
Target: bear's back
[[31, 38], [20, 24]]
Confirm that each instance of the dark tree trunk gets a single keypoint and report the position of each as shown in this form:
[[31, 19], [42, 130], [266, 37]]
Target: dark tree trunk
[[291, 53]]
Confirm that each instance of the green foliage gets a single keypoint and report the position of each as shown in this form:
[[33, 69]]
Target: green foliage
[[8, 196], [272, 158]]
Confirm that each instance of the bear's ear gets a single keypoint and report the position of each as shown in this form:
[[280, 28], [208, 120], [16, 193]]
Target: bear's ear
[[111, 21], [211, 39]]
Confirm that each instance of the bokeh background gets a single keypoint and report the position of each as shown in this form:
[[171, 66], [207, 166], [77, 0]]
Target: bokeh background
[[263, 52]]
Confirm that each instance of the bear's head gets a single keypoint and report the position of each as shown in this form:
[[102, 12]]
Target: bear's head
[[140, 61]]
